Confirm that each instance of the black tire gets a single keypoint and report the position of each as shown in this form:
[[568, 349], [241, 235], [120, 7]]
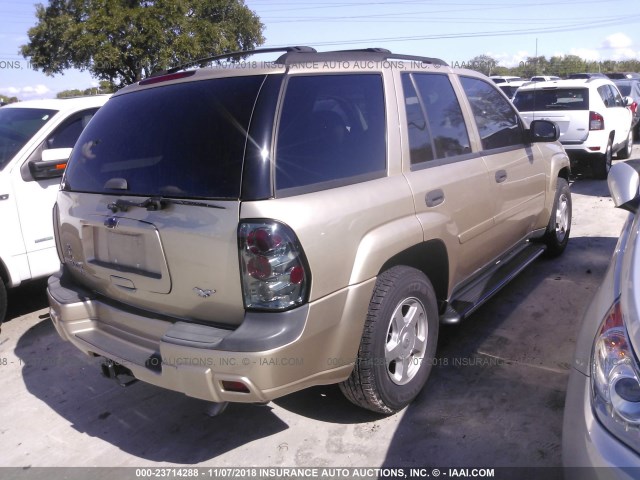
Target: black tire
[[3, 302], [601, 164], [628, 147], [378, 383], [556, 236]]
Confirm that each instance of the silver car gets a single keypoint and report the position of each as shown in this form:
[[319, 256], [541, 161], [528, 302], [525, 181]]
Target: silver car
[[602, 409]]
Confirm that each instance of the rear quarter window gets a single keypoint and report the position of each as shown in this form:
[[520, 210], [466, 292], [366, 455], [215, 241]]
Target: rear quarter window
[[182, 140], [331, 132], [435, 123]]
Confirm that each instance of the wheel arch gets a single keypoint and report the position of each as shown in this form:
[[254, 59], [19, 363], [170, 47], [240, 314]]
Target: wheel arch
[[4, 273], [432, 259]]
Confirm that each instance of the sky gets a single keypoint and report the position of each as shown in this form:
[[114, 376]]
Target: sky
[[455, 31]]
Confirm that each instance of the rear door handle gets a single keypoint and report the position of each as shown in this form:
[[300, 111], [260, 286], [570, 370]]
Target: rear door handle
[[434, 198], [501, 176]]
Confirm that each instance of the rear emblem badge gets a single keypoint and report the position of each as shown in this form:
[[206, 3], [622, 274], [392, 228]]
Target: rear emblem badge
[[111, 222], [203, 293]]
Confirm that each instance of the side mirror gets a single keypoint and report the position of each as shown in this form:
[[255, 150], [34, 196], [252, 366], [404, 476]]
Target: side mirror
[[52, 164], [628, 101], [623, 181], [543, 131]]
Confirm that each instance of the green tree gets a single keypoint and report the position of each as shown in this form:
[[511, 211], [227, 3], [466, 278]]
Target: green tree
[[4, 99], [102, 88], [124, 41], [69, 93], [533, 66], [483, 63]]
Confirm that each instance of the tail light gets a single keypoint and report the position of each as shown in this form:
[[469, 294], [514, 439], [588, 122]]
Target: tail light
[[633, 107], [615, 379], [596, 121], [56, 232], [274, 269]]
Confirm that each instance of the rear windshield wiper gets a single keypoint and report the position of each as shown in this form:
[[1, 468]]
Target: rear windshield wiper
[[156, 203]]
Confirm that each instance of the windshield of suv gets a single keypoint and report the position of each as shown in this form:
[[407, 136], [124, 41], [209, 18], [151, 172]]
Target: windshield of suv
[[17, 126], [552, 99], [183, 140]]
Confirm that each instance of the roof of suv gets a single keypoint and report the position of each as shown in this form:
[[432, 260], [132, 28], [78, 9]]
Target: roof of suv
[[572, 83], [294, 58]]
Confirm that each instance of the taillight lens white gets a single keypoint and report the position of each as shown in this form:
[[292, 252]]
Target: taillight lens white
[[615, 379], [274, 270], [596, 121]]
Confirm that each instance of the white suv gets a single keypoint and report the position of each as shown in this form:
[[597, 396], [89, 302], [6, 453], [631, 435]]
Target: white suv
[[36, 138], [593, 118]]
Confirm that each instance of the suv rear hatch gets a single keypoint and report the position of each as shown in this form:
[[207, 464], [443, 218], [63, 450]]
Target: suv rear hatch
[[568, 107], [149, 208]]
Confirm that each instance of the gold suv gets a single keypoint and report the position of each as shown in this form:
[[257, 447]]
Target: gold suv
[[240, 232]]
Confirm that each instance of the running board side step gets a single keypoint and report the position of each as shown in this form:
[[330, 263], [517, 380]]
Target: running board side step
[[469, 297]]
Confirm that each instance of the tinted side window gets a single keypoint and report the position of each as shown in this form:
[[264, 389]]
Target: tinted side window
[[331, 131], [182, 140], [607, 96], [496, 119], [420, 145], [444, 116], [67, 134], [617, 98]]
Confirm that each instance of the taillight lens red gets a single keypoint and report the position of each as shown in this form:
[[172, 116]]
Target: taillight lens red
[[274, 270], [596, 121]]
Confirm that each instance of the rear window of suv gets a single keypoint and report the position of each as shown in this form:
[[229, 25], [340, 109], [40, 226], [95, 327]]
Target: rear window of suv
[[552, 99], [183, 140]]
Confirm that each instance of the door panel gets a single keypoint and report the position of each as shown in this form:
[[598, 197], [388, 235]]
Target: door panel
[[517, 172], [450, 185]]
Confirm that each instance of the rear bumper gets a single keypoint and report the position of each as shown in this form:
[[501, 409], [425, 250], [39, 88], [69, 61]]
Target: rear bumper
[[583, 152], [271, 354], [586, 443], [594, 144]]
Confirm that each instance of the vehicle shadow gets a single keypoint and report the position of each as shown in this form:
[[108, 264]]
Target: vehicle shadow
[[495, 397], [326, 403], [585, 185], [582, 180], [145, 421], [26, 298]]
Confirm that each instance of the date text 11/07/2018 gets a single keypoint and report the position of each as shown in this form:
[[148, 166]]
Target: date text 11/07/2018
[[323, 473]]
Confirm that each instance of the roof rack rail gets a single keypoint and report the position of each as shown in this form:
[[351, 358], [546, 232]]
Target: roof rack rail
[[375, 54], [370, 49], [300, 54], [301, 49]]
